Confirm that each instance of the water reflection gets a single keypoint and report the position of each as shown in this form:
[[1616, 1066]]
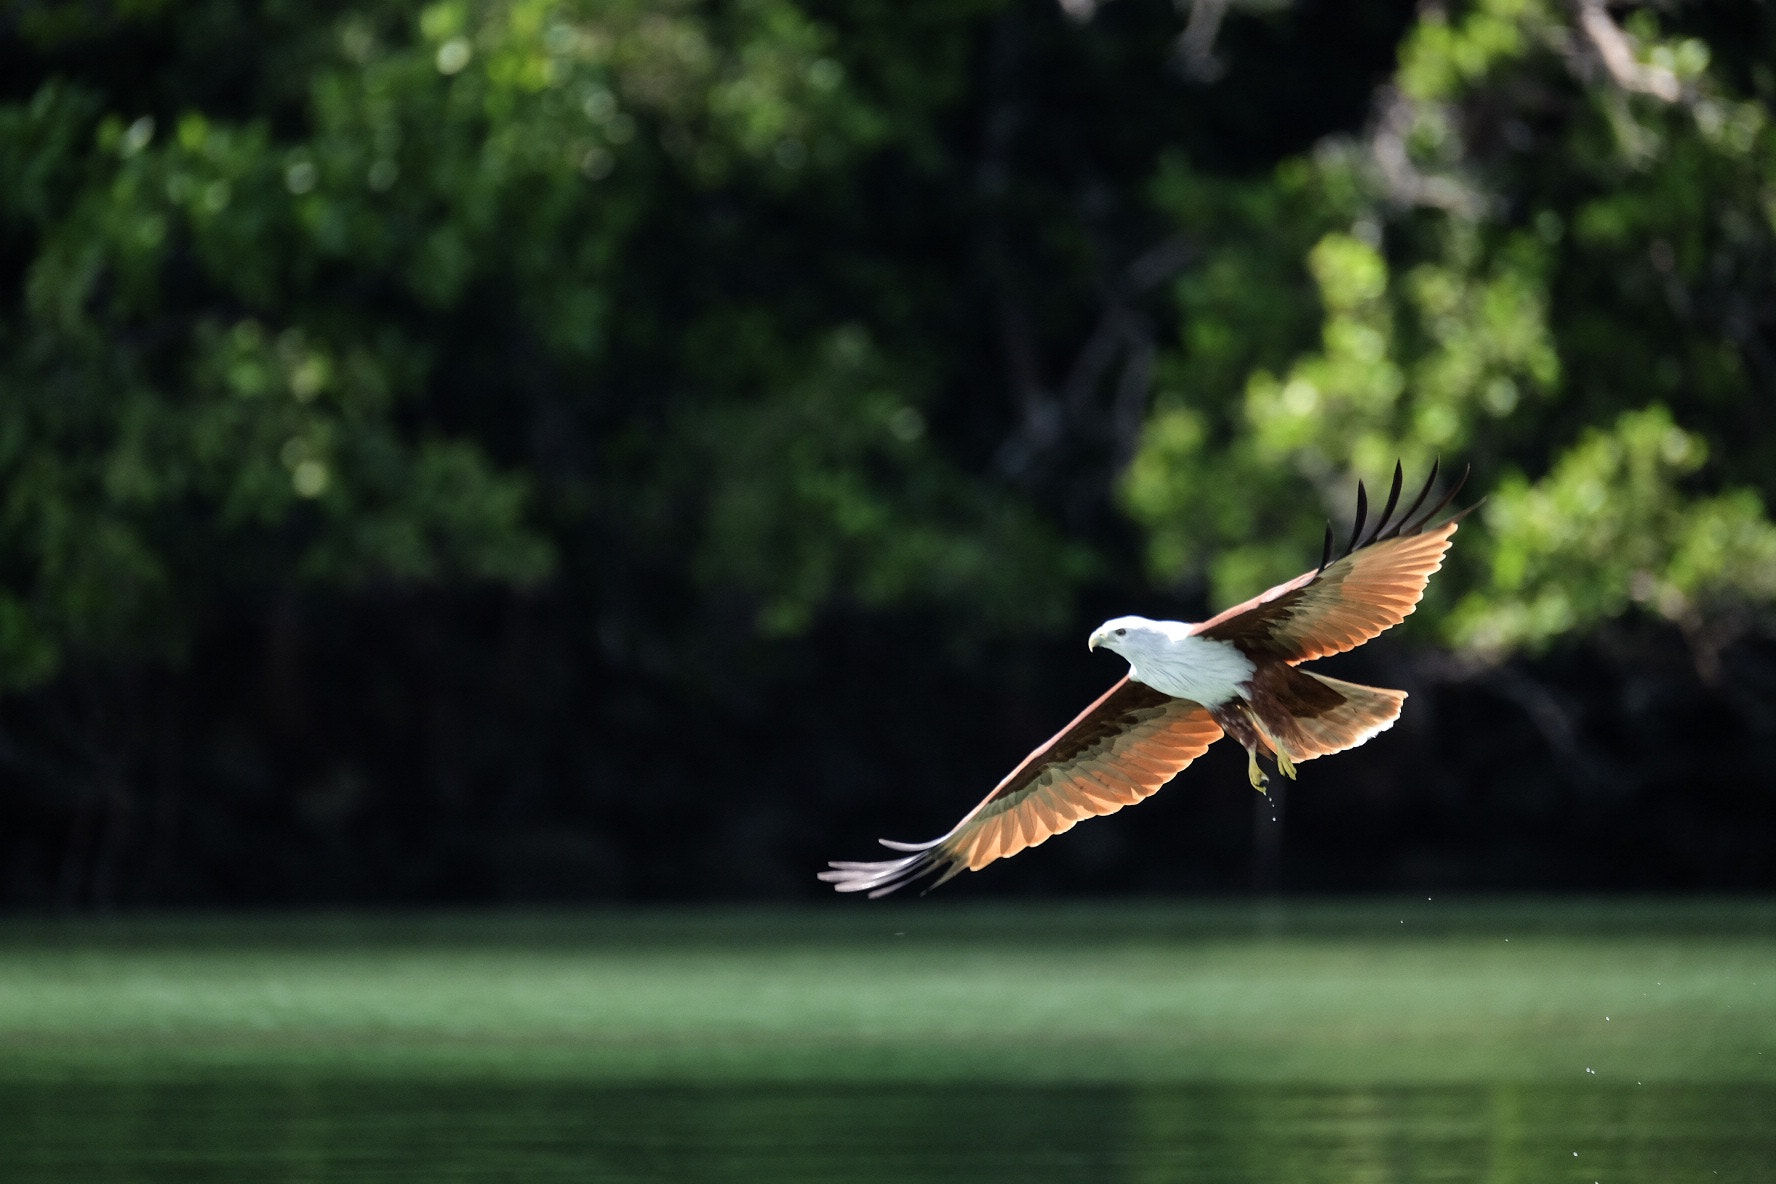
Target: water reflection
[[415, 1130]]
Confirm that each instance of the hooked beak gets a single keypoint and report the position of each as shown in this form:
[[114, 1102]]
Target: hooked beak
[[1092, 643]]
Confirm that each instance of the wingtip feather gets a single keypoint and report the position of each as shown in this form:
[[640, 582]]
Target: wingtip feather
[[1387, 511], [1362, 514]]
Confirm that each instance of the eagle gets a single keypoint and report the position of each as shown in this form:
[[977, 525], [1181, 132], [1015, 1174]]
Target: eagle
[[1236, 674]]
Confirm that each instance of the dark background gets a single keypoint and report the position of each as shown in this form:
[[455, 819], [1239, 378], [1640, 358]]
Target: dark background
[[415, 497]]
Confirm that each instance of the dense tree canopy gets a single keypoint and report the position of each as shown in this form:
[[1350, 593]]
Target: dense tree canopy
[[412, 418]]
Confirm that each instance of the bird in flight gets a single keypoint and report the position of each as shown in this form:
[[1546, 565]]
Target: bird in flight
[[1235, 674]]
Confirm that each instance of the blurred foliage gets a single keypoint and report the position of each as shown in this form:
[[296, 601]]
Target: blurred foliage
[[369, 368], [297, 345], [1548, 256], [1606, 530]]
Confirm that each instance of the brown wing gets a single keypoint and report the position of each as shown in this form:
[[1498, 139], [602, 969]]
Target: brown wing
[[1119, 750], [1339, 605]]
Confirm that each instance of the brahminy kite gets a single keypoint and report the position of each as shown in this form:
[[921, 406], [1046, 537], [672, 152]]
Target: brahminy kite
[[1188, 684]]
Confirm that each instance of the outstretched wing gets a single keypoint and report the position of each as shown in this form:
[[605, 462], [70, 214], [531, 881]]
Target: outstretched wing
[[1340, 604], [1119, 750]]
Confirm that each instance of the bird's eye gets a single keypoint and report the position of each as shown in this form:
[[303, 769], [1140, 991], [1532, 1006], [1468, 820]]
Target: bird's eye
[[1122, 633]]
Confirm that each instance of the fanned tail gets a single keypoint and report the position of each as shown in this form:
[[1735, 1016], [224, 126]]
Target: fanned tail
[[1360, 713]]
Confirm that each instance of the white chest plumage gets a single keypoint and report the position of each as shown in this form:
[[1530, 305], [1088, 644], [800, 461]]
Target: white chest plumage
[[1189, 667]]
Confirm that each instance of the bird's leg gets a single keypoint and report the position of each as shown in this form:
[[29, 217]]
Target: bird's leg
[[1259, 778], [1238, 720], [1285, 766]]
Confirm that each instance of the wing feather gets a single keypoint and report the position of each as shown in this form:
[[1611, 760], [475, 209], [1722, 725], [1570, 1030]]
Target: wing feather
[[1369, 589], [1117, 751]]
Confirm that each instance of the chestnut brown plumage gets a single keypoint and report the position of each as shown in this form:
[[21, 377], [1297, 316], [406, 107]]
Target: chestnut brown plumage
[[1191, 683]]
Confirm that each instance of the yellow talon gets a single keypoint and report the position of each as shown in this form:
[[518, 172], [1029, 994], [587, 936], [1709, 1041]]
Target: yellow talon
[[1285, 766], [1260, 780]]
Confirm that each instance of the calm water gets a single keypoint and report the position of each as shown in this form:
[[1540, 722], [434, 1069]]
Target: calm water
[[317, 1130]]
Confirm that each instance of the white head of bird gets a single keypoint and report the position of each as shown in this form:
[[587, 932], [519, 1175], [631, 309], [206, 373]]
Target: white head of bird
[[1129, 636], [1170, 657]]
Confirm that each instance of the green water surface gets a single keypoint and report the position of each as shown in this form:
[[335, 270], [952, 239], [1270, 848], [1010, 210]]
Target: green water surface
[[1379, 1041]]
